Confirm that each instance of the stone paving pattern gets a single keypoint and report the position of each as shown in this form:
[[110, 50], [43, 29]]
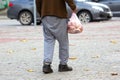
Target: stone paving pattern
[[94, 53]]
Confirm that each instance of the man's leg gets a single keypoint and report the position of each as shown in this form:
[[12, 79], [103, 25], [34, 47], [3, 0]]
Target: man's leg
[[49, 42], [62, 37]]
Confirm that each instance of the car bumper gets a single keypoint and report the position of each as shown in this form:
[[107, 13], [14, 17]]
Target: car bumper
[[102, 15], [105, 15], [12, 14]]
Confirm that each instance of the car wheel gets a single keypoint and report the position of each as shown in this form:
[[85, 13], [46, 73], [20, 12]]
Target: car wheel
[[84, 17], [25, 18]]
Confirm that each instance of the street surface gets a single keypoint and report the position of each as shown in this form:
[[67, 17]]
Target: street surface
[[94, 53]]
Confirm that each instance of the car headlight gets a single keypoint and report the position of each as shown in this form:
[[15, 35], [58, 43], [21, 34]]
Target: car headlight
[[97, 9]]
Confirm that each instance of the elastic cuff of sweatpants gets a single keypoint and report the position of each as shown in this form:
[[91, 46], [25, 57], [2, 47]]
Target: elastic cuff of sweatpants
[[63, 63], [46, 63]]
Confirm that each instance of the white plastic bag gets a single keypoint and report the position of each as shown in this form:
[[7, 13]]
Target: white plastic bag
[[74, 25]]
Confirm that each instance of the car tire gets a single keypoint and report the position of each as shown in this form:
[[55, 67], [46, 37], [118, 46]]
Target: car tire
[[25, 18], [84, 16]]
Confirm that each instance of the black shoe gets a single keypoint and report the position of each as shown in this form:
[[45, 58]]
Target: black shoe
[[63, 68], [47, 69]]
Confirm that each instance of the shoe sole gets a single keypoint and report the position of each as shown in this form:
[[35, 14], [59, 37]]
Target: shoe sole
[[64, 70], [46, 72]]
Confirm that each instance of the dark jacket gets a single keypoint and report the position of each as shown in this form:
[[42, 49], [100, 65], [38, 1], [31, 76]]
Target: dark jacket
[[54, 7]]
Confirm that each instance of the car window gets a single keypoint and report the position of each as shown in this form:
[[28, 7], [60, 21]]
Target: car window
[[109, 0], [12, 0], [114, 0], [104, 0]]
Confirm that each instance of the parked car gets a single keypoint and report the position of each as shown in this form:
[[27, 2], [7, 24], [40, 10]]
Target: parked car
[[89, 11], [113, 4], [22, 10]]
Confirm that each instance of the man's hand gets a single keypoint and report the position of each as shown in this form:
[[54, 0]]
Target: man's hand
[[75, 11]]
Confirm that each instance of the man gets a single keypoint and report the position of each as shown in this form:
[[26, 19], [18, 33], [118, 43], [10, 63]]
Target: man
[[54, 20]]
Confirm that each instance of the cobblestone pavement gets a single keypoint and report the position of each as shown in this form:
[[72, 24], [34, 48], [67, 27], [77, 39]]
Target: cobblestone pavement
[[94, 53]]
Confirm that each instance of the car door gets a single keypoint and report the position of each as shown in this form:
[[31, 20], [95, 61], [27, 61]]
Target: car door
[[113, 4]]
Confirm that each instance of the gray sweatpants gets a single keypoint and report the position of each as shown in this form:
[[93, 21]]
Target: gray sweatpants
[[55, 28]]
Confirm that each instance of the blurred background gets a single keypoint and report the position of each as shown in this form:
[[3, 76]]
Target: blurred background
[[3, 6]]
